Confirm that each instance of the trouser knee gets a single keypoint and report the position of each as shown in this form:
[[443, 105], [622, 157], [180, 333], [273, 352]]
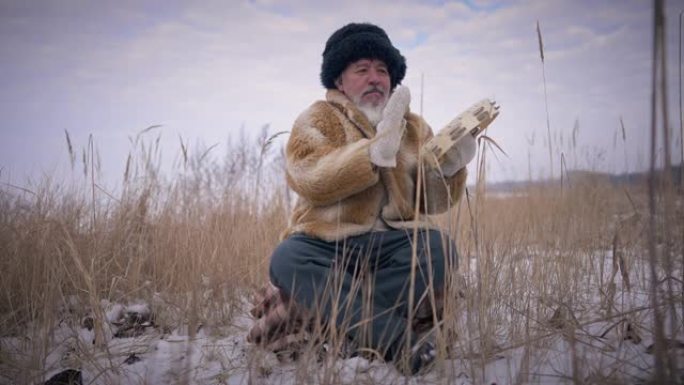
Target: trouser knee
[[283, 267]]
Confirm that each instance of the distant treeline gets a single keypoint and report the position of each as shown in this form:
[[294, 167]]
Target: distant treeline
[[581, 176]]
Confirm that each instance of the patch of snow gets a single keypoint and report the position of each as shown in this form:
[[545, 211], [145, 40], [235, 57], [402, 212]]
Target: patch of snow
[[139, 308], [114, 312]]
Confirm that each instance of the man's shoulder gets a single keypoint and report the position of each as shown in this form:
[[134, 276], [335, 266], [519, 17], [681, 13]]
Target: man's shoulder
[[318, 107], [319, 111], [319, 123]]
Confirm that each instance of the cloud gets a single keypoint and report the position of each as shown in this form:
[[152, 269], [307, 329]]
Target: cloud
[[204, 69]]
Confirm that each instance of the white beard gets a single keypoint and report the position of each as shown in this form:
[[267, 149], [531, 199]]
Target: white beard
[[373, 114]]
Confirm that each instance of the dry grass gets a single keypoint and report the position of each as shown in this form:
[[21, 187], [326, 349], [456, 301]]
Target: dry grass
[[66, 248], [535, 261]]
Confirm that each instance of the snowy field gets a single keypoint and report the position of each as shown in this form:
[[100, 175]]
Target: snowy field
[[577, 343]]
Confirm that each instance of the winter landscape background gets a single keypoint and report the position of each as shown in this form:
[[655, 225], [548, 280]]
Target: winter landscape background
[[137, 218]]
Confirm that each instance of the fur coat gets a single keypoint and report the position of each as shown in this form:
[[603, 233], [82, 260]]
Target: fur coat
[[341, 193]]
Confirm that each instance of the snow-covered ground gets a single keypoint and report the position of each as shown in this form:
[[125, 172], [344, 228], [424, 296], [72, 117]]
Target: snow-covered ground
[[598, 349]]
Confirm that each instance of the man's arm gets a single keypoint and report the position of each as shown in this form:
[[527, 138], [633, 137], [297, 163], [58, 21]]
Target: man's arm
[[442, 192], [321, 167]]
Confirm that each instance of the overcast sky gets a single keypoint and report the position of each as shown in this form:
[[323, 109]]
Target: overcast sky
[[204, 69]]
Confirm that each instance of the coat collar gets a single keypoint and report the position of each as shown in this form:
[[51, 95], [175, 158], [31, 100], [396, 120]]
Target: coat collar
[[348, 108]]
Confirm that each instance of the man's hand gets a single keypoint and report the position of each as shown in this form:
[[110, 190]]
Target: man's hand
[[470, 122], [460, 155], [384, 148]]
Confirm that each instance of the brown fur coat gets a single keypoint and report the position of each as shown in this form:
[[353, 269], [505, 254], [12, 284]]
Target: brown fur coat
[[341, 193]]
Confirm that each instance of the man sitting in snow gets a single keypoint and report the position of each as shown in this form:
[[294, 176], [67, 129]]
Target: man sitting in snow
[[353, 159]]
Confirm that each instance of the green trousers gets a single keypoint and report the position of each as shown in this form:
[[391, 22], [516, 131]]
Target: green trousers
[[362, 283]]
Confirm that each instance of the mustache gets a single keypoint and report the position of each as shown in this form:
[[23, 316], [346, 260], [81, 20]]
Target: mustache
[[374, 89]]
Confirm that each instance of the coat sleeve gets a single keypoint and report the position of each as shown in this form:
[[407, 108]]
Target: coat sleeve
[[322, 166], [442, 192]]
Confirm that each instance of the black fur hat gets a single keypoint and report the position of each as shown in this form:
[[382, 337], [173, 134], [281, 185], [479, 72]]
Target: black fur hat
[[360, 41]]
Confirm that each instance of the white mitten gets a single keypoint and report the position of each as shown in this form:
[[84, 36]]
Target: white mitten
[[459, 156], [383, 149]]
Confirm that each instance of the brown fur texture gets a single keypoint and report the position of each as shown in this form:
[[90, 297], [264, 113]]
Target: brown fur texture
[[341, 193]]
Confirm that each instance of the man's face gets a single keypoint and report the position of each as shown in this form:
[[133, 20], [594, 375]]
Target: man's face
[[366, 82]]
